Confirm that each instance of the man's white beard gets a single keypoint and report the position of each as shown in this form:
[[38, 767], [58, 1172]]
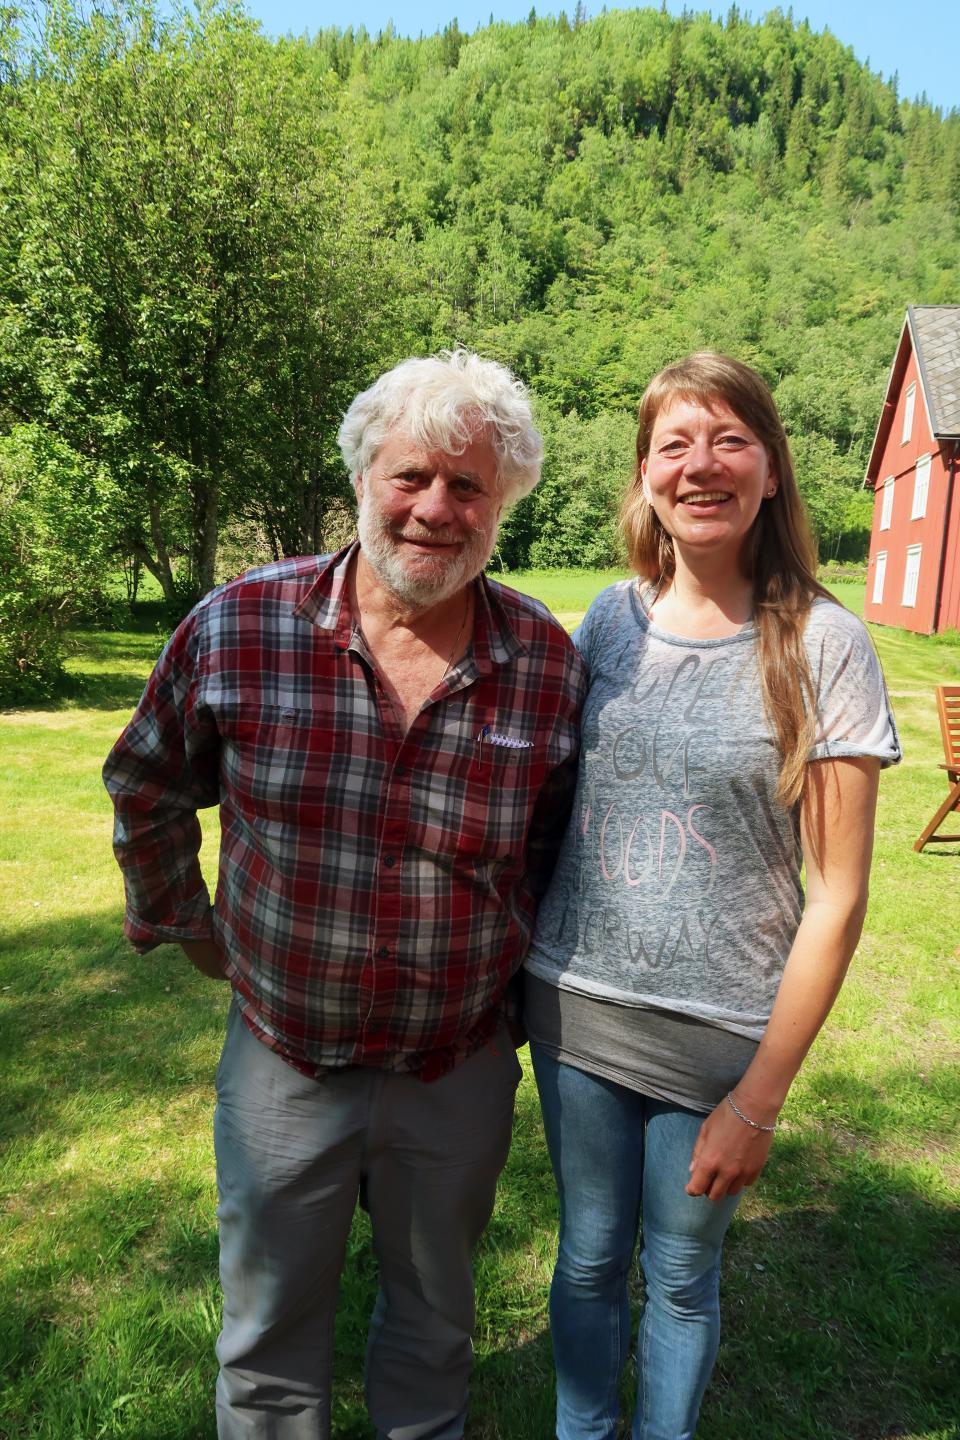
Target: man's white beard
[[420, 581]]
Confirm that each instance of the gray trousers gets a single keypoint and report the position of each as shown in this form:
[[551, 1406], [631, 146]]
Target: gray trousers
[[291, 1155]]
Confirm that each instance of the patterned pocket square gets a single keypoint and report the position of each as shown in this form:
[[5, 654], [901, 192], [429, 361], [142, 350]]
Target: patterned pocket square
[[493, 737]]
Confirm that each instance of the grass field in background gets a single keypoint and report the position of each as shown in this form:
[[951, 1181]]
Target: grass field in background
[[840, 1300], [566, 592]]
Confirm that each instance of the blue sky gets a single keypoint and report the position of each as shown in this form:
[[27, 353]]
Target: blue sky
[[920, 39]]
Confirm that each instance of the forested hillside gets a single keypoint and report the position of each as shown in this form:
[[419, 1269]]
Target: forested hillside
[[589, 201], [211, 240]]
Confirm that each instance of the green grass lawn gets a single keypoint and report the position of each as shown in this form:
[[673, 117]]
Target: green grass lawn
[[841, 1300]]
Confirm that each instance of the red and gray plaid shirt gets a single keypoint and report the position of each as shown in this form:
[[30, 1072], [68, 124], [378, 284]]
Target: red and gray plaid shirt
[[376, 890]]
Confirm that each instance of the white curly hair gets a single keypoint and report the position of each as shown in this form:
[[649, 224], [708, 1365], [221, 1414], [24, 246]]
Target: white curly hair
[[442, 401]]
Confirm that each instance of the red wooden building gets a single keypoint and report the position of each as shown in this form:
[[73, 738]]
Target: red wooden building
[[914, 575]]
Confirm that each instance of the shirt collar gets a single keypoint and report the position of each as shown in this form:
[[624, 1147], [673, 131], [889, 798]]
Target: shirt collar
[[495, 642], [327, 602], [327, 605]]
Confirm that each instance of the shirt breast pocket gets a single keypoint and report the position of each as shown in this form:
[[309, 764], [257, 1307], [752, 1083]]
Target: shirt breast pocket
[[279, 762], [499, 793]]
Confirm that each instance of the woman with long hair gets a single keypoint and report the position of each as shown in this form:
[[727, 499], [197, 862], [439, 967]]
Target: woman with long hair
[[734, 732]]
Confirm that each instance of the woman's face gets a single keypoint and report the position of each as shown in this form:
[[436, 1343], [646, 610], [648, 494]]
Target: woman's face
[[706, 475]]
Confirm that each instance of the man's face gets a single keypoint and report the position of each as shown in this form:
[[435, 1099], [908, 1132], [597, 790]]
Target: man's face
[[428, 520]]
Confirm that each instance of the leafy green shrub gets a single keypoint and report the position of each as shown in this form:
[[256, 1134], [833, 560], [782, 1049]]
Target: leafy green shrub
[[840, 511], [30, 646], [571, 518], [53, 544]]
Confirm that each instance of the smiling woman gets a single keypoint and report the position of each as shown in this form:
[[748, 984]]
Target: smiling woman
[[764, 570], [734, 729], [706, 474]]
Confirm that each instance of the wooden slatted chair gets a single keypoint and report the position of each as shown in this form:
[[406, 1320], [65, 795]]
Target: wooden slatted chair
[[948, 706]]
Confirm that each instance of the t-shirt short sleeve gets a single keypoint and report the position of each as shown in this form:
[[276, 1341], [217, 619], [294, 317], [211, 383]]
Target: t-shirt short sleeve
[[854, 717], [608, 604], [581, 639]]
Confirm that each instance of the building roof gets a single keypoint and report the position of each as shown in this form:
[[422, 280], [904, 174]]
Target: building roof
[[933, 333], [936, 330]]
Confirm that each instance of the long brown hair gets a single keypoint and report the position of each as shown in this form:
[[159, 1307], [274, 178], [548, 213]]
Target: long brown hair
[[780, 558]]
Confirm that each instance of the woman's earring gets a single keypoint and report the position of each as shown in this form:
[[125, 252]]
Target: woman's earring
[[771, 493]]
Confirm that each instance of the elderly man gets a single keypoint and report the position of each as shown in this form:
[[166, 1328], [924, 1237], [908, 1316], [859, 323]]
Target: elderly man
[[390, 739]]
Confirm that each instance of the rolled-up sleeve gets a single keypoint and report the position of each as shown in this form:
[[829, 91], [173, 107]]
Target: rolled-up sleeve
[[161, 771]]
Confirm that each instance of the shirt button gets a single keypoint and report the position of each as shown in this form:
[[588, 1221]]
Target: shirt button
[[390, 861], [384, 952], [401, 770]]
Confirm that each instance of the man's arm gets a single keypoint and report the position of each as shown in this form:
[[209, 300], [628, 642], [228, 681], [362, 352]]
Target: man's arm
[[548, 824], [162, 770]]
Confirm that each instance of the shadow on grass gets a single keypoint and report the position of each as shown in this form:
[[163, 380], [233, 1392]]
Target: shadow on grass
[[107, 669], [145, 617], [841, 1308], [86, 1025], [102, 690], [840, 1303]]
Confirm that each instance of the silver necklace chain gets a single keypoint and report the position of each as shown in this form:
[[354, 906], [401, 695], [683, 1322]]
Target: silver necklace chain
[[456, 642]]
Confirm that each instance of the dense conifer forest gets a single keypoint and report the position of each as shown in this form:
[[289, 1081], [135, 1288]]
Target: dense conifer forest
[[211, 240], [588, 201]]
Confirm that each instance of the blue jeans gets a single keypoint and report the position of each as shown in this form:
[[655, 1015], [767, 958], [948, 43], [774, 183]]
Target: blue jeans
[[621, 1162]]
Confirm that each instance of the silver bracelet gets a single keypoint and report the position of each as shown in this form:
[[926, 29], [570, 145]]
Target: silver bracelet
[[769, 1129]]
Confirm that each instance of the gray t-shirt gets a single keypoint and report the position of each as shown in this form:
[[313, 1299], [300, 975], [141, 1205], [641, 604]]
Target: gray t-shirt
[[678, 885]]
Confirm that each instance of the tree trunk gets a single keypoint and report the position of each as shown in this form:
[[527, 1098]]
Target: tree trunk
[[208, 539], [160, 568], [160, 573]]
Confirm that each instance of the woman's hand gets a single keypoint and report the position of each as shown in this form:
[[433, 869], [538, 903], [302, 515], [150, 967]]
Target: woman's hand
[[728, 1154]]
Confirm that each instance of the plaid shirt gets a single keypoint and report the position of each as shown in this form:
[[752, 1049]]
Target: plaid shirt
[[377, 889]]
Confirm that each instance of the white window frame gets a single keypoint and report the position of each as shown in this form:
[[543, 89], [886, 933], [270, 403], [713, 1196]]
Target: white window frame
[[879, 575], [909, 405], [921, 487], [886, 507], [911, 576]]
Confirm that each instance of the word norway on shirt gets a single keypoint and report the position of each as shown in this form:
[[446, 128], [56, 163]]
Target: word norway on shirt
[[648, 851]]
